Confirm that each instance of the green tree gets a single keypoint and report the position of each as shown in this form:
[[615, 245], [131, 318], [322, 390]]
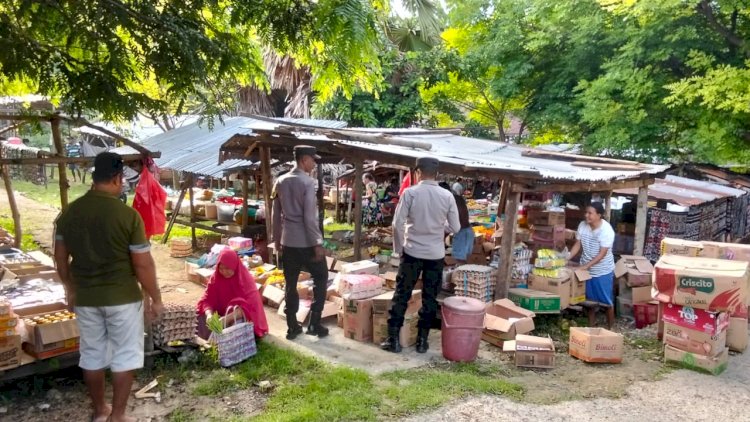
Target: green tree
[[119, 57]]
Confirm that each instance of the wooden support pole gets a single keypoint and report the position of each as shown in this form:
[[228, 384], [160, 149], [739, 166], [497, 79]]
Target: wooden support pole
[[321, 201], [63, 176], [245, 195], [504, 270], [336, 202], [504, 189], [640, 220], [265, 164], [358, 185], [175, 212], [18, 233], [192, 211], [350, 204], [175, 179], [608, 206]]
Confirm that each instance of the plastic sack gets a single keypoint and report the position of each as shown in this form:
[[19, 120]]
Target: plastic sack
[[406, 183], [150, 201]]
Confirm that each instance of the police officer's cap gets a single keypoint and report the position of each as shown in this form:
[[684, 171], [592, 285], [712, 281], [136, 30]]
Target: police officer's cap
[[302, 150], [428, 163]]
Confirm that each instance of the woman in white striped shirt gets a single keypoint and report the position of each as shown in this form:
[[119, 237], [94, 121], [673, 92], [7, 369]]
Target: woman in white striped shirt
[[594, 240]]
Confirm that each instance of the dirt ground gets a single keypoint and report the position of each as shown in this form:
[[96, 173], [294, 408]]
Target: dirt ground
[[640, 386]]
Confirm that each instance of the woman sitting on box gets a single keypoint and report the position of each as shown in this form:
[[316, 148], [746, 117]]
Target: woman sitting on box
[[594, 239], [231, 285]]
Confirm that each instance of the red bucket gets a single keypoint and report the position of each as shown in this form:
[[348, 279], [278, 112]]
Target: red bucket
[[463, 322]]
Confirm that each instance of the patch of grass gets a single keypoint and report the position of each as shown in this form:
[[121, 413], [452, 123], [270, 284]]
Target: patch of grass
[[409, 391], [181, 415], [183, 231], [311, 390], [27, 241], [649, 347], [51, 194]]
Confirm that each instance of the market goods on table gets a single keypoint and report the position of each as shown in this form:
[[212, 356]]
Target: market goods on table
[[52, 330]]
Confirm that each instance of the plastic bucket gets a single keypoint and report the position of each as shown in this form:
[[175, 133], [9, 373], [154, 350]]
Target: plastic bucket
[[463, 322]]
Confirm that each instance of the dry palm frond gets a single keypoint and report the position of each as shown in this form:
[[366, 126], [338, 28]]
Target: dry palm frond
[[255, 101]]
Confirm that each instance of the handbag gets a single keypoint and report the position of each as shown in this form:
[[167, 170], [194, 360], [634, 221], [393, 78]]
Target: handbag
[[236, 343]]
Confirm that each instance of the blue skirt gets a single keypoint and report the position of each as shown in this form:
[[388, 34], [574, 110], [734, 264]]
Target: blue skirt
[[601, 289], [463, 243]]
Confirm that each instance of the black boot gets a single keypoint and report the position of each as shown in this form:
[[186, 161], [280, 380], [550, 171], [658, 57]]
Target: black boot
[[422, 343], [315, 328], [293, 327], [392, 343]]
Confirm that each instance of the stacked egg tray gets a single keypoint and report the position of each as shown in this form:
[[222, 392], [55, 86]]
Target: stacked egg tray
[[475, 281], [178, 323]]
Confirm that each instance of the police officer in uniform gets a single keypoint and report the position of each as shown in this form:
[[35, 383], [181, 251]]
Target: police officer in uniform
[[297, 236], [424, 214]]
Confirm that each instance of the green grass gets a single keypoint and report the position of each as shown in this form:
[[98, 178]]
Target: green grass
[[183, 231], [51, 194], [308, 389], [181, 415], [27, 241]]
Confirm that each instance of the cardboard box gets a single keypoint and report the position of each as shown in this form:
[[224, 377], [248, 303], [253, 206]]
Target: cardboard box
[[407, 335], [557, 286], [711, 323], [595, 345], [10, 352], [54, 339], [641, 294], [694, 341], [274, 295], [680, 247], [358, 319], [361, 267], [636, 270], [737, 334], [382, 304], [703, 283], [329, 309], [531, 351], [535, 216], [714, 365], [535, 301], [729, 251], [578, 285], [548, 234], [504, 321]]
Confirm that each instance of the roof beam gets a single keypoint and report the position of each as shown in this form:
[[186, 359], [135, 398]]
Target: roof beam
[[585, 186]]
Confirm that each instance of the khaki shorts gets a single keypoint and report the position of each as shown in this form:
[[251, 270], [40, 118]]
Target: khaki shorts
[[111, 337]]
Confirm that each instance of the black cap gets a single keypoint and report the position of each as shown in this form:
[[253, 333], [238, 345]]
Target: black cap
[[428, 163], [107, 165], [302, 150]]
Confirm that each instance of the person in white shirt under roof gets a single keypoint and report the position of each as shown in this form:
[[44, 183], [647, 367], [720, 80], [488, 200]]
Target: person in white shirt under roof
[[594, 240], [424, 214]]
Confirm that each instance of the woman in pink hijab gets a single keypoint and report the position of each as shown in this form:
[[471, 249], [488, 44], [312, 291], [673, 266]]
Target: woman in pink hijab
[[230, 285]]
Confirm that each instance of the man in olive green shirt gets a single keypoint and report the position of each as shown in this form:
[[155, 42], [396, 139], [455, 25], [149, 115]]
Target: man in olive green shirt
[[102, 255]]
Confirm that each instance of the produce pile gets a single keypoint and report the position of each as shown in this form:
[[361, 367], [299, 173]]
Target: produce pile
[[178, 323], [549, 263]]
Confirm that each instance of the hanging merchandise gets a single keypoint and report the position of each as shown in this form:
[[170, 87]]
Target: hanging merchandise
[[150, 200]]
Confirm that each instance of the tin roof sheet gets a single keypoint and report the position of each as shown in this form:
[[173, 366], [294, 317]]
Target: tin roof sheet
[[686, 192]]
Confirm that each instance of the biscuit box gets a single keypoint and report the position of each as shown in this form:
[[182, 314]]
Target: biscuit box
[[595, 345], [711, 323], [694, 341], [702, 283]]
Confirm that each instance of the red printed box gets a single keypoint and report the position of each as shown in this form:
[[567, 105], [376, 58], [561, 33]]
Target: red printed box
[[711, 323]]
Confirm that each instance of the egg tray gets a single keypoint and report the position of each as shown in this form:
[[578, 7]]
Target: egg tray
[[484, 297]]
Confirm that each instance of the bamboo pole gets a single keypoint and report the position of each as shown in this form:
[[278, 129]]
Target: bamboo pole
[[504, 270], [245, 194], [608, 207], [640, 220], [337, 202], [175, 212], [265, 164], [63, 176], [18, 233], [358, 210], [192, 211], [350, 204]]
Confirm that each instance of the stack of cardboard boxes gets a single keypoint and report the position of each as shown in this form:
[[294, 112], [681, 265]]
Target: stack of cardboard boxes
[[698, 296], [737, 335], [10, 341], [480, 251], [547, 228], [633, 275], [381, 305], [357, 314]]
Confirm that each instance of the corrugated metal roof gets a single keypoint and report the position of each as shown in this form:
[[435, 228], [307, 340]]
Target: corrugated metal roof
[[194, 148], [480, 154], [686, 192]]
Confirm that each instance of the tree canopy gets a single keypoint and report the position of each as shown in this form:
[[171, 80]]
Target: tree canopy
[[121, 57]]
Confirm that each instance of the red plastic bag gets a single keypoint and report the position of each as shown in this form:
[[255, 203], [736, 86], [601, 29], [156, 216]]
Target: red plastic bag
[[150, 201], [406, 183]]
